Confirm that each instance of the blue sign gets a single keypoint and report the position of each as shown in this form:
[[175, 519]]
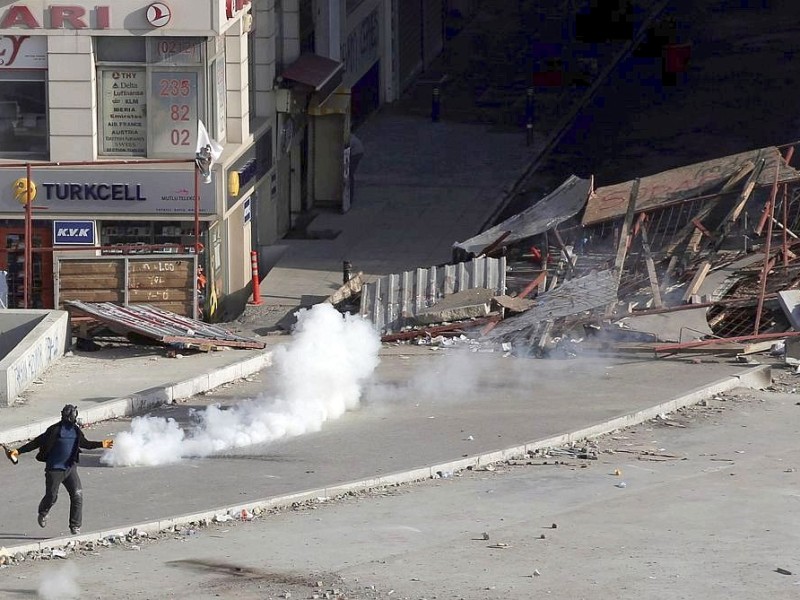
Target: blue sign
[[74, 233], [247, 211]]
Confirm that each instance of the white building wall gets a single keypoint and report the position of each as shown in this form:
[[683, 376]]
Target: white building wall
[[290, 31], [265, 58], [72, 86], [237, 74]]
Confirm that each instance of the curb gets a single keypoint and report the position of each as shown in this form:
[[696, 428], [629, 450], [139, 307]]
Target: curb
[[757, 377], [150, 398]]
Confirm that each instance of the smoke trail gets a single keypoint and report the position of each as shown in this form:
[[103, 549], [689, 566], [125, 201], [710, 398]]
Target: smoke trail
[[320, 375], [60, 584]]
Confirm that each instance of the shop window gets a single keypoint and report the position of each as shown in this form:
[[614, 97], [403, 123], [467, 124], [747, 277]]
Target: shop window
[[152, 109], [138, 237], [23, 114], [121, 49]]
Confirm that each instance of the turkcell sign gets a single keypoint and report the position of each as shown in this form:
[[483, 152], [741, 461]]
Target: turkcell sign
[[93, 191], [73, 233]]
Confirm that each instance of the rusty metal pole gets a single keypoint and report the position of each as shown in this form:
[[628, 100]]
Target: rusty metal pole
[[770, 211], [28, 247], [197, 212], [785, 225]]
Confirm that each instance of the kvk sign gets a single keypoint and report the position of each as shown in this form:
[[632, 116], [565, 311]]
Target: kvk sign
[[75, 233]]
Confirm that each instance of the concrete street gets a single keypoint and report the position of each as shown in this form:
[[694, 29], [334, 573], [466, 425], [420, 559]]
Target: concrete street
[[421, 411], [711, 512]]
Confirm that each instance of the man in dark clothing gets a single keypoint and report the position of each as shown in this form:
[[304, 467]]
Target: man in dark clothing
[[59, 448]]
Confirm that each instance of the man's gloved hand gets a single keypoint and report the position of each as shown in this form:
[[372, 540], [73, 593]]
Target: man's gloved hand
[[108, 443], [13, 455]]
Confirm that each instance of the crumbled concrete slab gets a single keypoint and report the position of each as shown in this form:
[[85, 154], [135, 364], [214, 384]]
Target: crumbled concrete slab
[[466, 304], [514, 304], [790, 303], [680, 326]]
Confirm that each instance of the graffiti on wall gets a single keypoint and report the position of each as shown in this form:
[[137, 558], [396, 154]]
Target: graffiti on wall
[[33, 363]]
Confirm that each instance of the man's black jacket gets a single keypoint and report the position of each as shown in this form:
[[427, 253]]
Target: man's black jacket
[[47, 440]]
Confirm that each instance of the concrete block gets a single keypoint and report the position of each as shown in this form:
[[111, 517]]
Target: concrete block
[[790, 303], [467, 304], [792, 346], [31, 341]]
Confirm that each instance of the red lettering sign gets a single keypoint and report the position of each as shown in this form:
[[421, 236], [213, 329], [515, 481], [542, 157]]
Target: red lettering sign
[[103, 16], [59, 15], [19, 16], [16, 44]]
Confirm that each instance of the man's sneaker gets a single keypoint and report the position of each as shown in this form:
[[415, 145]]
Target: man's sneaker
[[42, 519], [75, 530]]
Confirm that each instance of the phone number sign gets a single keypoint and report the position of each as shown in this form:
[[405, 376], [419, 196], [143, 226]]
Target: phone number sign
[[174, 112]]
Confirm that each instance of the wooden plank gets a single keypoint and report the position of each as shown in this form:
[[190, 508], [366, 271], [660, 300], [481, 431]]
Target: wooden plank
[[152, 296], [624, 239], [89, 282], [161, 266], [564, 252], [179, 308], [161, 280], [94, 267], [651, 267], [697, 281], [678, 238], [725, 226], [91, 296], [624, 234]]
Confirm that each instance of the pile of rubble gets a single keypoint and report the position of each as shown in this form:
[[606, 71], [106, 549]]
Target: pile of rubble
[[700, 258]]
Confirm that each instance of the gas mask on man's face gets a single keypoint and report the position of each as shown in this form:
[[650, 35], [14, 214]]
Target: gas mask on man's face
[[69, 414]]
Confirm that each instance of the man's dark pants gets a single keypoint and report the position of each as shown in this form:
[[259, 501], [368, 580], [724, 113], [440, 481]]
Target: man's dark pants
[[71, 481]]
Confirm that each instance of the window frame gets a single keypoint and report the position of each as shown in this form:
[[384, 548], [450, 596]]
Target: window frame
[[30, 76], [150, 67]]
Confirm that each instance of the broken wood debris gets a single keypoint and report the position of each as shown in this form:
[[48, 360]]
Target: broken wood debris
[[714, 241], [150, 324]]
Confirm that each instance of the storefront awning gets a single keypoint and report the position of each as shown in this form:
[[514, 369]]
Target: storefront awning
[[316, 73]]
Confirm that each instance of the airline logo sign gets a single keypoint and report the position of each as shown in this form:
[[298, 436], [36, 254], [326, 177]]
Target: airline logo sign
[[158, 14], [74, 233]]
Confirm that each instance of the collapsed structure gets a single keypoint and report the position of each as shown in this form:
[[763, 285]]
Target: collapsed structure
[[691, 257]]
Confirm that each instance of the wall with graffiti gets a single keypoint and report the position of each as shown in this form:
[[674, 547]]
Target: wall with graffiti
[[44, 345]]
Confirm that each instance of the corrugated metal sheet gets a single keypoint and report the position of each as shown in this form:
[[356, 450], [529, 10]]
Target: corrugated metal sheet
[[570, 298], [161, 326], [683, 183], [392, 301], [558, 206]]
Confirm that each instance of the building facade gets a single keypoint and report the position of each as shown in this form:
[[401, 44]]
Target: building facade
[[117, 90], [100, 86]]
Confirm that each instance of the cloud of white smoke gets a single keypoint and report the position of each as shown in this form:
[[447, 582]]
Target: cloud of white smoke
[[60, 584], [320, 374]]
